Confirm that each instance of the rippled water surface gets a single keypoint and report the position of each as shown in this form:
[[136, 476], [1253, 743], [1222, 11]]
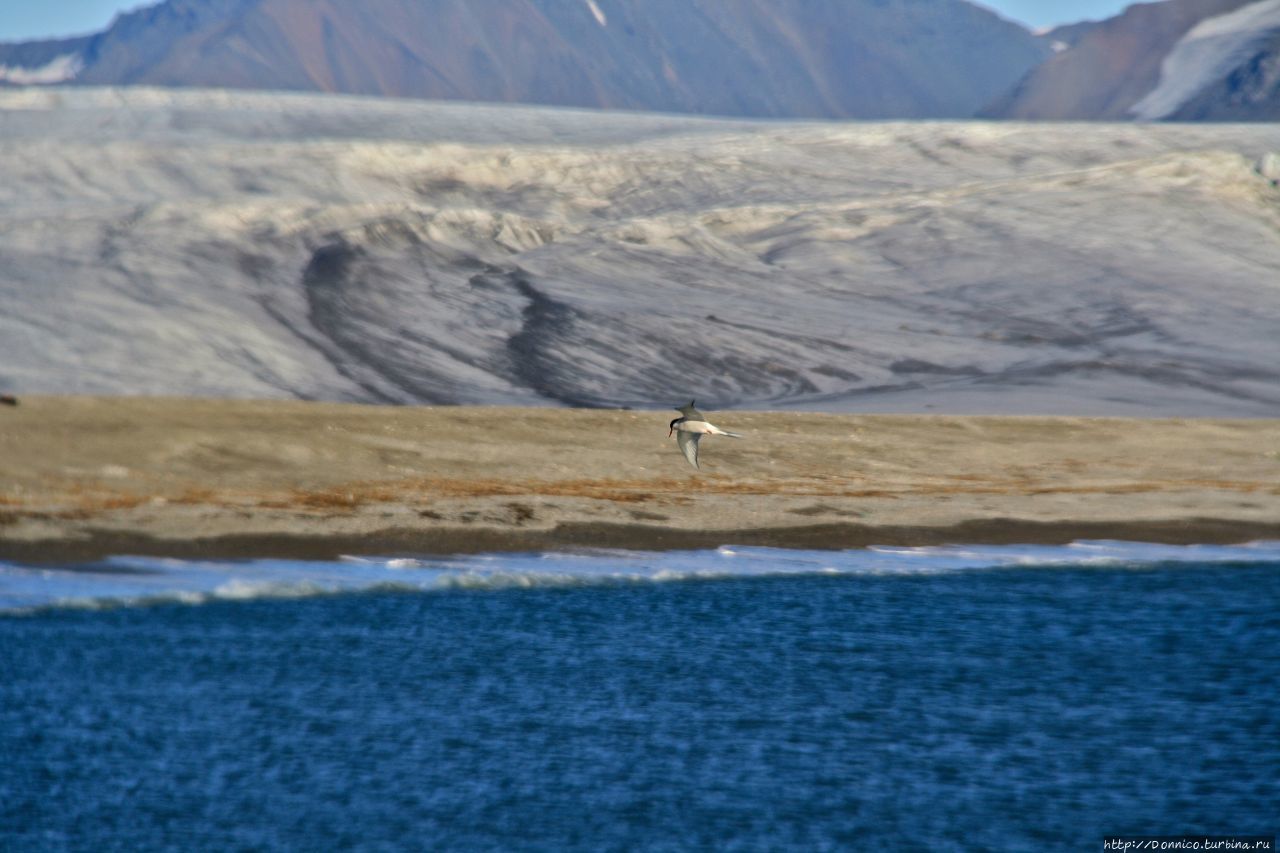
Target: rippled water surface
[[1008, 698]]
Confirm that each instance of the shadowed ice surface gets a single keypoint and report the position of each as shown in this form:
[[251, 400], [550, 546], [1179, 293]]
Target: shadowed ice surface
[[946, 698]]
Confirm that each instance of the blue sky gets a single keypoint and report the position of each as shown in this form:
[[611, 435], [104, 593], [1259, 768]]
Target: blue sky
[[26, 19], [1047, 13], [23, 19]]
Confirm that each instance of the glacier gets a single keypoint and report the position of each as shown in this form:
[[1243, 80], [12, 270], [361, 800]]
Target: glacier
[[1206, 54], [249, 244]]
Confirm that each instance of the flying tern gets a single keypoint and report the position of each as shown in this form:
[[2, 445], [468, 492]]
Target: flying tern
[[690, 428]]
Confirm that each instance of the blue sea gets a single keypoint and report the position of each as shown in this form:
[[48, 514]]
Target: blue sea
[[1002, 698]]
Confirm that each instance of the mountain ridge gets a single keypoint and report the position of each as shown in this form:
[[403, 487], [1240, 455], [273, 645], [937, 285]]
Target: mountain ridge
[[751, 58]]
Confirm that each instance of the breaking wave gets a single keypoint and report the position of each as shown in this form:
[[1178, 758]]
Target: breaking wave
[[140, 581]]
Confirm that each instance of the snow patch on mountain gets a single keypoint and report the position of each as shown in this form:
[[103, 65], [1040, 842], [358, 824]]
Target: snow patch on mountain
[[58, 70]]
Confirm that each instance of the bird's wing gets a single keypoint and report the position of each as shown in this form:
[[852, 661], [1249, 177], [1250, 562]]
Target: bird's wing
[[690, 412], [689, 446]]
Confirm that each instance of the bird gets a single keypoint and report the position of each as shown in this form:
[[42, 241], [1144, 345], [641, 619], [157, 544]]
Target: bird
[[690, 429]]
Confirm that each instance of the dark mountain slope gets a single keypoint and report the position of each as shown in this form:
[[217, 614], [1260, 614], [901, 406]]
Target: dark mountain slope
[[794, 58]]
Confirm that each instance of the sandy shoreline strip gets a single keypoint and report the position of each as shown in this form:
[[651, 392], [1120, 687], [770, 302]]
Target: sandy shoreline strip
[[85, 477]]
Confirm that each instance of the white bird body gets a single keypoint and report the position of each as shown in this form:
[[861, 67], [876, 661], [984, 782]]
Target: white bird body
[[689, 429], [704, 428]]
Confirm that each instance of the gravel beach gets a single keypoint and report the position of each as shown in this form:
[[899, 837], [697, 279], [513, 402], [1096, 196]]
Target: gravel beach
[[84, 477]]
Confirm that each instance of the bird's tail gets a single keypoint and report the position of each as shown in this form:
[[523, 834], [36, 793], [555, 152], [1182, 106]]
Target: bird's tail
[[730, 434]]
